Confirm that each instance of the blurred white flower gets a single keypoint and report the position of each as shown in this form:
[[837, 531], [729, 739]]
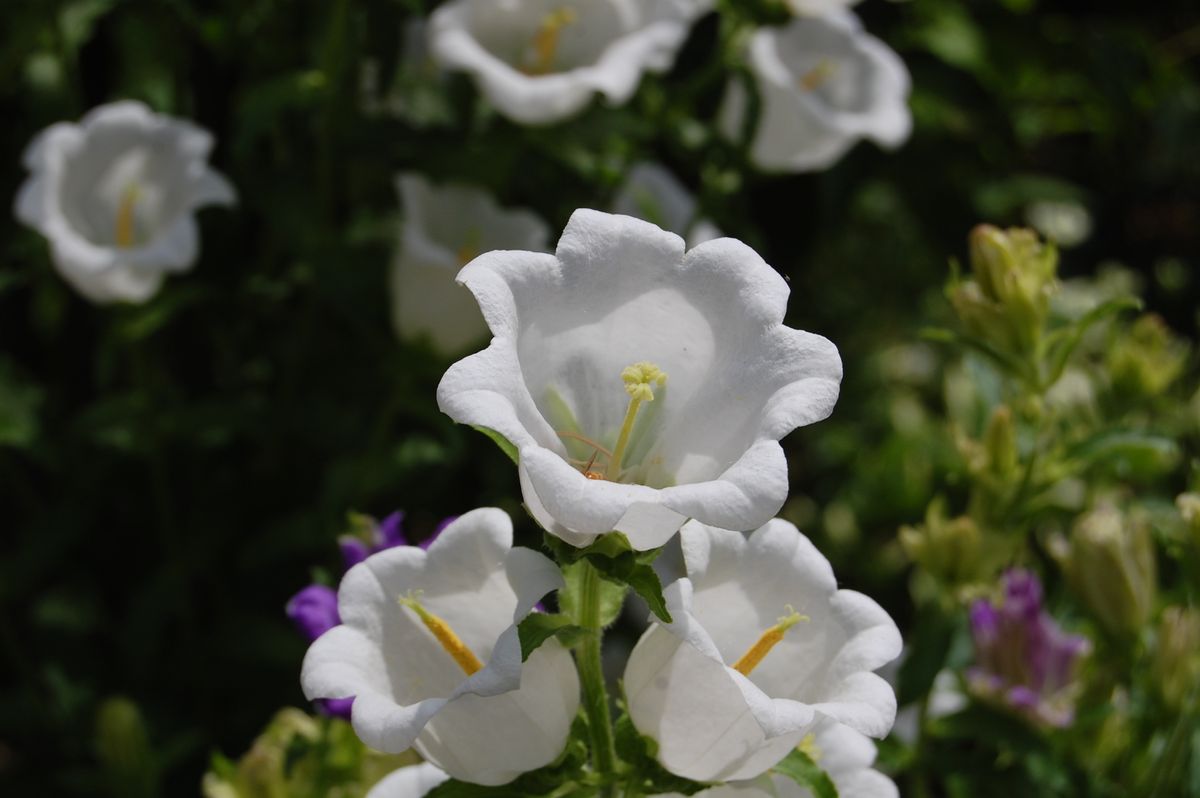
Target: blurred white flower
[[819, 8], [1066, 223], [116, 195], [652, 193], [540, 61], [639, 385], [763, 651], [413, 781], [428, 648], [824, 84], [445, 227]]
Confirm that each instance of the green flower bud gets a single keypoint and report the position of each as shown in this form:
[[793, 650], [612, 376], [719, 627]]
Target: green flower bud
[[123, 748], [1008, 300], [1144, 362], [1188, 505], [955, 552], [1176, 667], [1110, 566]]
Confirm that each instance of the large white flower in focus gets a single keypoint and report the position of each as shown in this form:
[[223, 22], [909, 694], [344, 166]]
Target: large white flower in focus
[[541, 61], [652, 193], [116, 195], [825, 84], [641, 386], [763, 650], [445, 227], [428, 647]]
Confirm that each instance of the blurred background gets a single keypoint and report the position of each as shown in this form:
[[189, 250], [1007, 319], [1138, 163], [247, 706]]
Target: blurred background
[[171, 473]]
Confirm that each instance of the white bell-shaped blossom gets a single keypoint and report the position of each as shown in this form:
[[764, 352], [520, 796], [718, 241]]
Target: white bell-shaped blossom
[[762, 651], [413, 781], [428, 648], [445, 227], [541, 61], [640, 386], [824, 84], [819, 8], [116, 196], [845, 755], [652, 193]]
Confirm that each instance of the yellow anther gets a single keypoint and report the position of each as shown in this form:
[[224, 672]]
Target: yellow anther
[[809, 746], [125, 230], [816, 77], [640, 379], [545, 41], [454, 646], [755, 654]]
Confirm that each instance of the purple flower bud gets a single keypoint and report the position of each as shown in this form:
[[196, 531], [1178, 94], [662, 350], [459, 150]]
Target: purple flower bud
[[354, 550], [335, 707], [390, 532], [314, 610], [445, 522], [1023, 659]]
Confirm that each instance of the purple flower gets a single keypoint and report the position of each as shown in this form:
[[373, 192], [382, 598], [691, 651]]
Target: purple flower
[[1023, 659], [314, 611]]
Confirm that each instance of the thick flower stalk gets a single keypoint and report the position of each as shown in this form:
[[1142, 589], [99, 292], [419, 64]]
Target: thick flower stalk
[[763, 651], [444, 228], [541, 61], [428, 647], [699, 440], [824, 84], [116, 196], [1024, 661]]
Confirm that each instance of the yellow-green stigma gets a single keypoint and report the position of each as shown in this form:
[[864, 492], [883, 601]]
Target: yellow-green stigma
[[125, 233], [757, 652], [809, 746], [816, 77], [640, 380], [545, 41], [441, 630]]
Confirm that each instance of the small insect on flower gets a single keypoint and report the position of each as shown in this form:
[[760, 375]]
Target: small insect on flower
[[597, 450]]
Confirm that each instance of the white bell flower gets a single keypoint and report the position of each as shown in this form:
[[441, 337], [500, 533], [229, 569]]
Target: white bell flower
[[541, 61], [413, 781], [428, 648], [819, 8], [652, 193], [116, 195], [640, 386], [763, 650], [824, 84], [845, 755], [445, 227]]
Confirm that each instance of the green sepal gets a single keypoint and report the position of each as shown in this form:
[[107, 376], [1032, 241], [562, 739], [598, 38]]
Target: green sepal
[[538, 627], [800, 768], [617, 562], [504, 443]]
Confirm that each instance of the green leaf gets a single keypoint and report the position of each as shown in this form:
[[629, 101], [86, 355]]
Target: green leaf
[[504, 443], [538, 627], [1063, 342], [1126, 453], [646, 584], [800, 768], [19, 403], [618, 563], [612, 595], [1002, 360]]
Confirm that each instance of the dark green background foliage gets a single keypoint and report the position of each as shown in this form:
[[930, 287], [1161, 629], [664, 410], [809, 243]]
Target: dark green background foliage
[[171, 473]]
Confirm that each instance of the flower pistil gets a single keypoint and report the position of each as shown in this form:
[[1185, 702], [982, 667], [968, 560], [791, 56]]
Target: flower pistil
[[125, 229], [640, 379], [544, 47], [441, 630], [758, 652]]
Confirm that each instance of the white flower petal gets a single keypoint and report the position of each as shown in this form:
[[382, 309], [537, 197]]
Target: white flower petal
[[605, 48], [824, 84], [620, 291], [122, 171], [816, 675], [409, 782], [409, 692]]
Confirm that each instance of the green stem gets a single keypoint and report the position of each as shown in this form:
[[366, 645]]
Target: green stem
[[591, 674]]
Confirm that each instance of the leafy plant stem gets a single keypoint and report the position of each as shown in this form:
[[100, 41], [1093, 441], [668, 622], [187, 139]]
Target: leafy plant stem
[[591, 674]]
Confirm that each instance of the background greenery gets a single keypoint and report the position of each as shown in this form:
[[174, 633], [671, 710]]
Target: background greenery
[[170, 474]]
